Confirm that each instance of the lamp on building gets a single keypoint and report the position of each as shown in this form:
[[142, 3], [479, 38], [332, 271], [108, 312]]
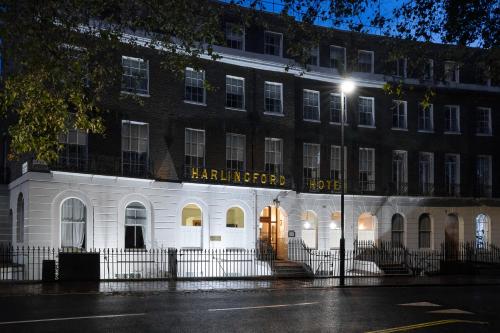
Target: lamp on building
[[346, 87]]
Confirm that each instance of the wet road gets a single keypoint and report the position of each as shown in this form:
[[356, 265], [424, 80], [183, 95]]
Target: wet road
[[384, 309]]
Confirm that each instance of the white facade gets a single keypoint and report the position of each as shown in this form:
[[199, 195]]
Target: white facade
[[106, 199]]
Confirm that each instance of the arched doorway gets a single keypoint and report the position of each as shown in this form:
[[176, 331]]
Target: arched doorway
[[397, 230], [366, 228], [451, 237], [273, 224], [310, 229]]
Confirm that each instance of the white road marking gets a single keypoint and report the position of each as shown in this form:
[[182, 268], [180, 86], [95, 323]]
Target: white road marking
[[263, 306], [70, 318], [451, 311], [420, 304]]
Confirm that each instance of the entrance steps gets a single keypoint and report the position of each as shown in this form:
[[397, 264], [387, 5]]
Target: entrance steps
[[284, 269], [394, 269]]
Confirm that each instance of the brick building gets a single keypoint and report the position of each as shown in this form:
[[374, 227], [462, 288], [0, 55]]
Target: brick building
[[258, 156]]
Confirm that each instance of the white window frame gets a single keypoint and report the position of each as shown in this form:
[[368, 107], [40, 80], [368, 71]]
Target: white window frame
[[204, 102], [313, 93], [457, 172], [371, 176], [229, 32], [343, 60], [490, 129], [232, 147], [448, 129], [203, 144], [430, 179], [404, 177], [132, 90], [273, 113], [242, 79], [335, 162], [372, 63], [396, 105], [431, 117], [372, 99], [130, 122], [278, 156], [404, 69], [311, 160], [281, 42], [340, 110], [448, 74]]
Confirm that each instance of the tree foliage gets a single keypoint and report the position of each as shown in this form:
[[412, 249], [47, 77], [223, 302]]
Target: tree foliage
[[60, 56]]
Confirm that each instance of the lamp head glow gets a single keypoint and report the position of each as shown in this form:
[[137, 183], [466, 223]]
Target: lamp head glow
[[347, 86], [307, 225]]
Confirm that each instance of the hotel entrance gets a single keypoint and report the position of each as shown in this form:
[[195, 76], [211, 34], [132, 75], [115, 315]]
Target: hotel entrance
[[272, 230]]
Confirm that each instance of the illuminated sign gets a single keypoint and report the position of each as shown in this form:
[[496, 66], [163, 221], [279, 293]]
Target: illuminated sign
[[237, 177], [323, 185]]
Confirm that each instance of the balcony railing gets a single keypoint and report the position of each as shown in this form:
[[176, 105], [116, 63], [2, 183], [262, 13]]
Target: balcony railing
[[452, 190], [483, 191], [366, 186], [398, 188], [426, 189]]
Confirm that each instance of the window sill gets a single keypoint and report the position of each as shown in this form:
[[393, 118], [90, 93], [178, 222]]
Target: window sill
[[367, 126], [338, 124], [399, 129], [135, 250], [276, 114], [426, 131], [452, 133], [312, 121], [484, 134], [235, 109], [134, 94], [195, 103]]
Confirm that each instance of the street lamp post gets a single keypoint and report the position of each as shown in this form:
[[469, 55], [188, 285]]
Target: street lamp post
[[345, 88]]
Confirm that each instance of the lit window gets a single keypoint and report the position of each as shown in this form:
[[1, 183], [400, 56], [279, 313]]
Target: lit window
[[20, 219], [235, 92], [482, 231], [235, 36], [366, 228], [426, 173], [194, 149], [452, 118], [452, 174], [135, 226], [235, 218], [483, 176], [311, 105], [135, 148], [424, 231], [451, 71], [426, 117], [73, 223], [310, 229], [191, 216], [273, 42], [399, 115], [194, 85], [397, 230], [483, 121], [365, 61], [273, 155], [366, 109], [273, 93], [367, 169], [235, 152], [311, 162], [338, 58], [336, 109], [135, 75]]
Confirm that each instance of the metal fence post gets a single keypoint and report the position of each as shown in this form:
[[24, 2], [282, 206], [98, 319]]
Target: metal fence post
[[172, 263]]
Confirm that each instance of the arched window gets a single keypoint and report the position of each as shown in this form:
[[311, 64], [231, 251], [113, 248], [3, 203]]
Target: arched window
[[73, 223], [397, 230], [335, 230], [135, 226], [191, 216], [20, 218], [310, 229], [366, 227], [424, 231], [482, 230], [235, 218]]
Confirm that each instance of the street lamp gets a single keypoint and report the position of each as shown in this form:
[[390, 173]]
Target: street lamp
[[346, 87]]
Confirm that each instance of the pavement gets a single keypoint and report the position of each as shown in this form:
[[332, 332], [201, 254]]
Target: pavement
[[142, 287]]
